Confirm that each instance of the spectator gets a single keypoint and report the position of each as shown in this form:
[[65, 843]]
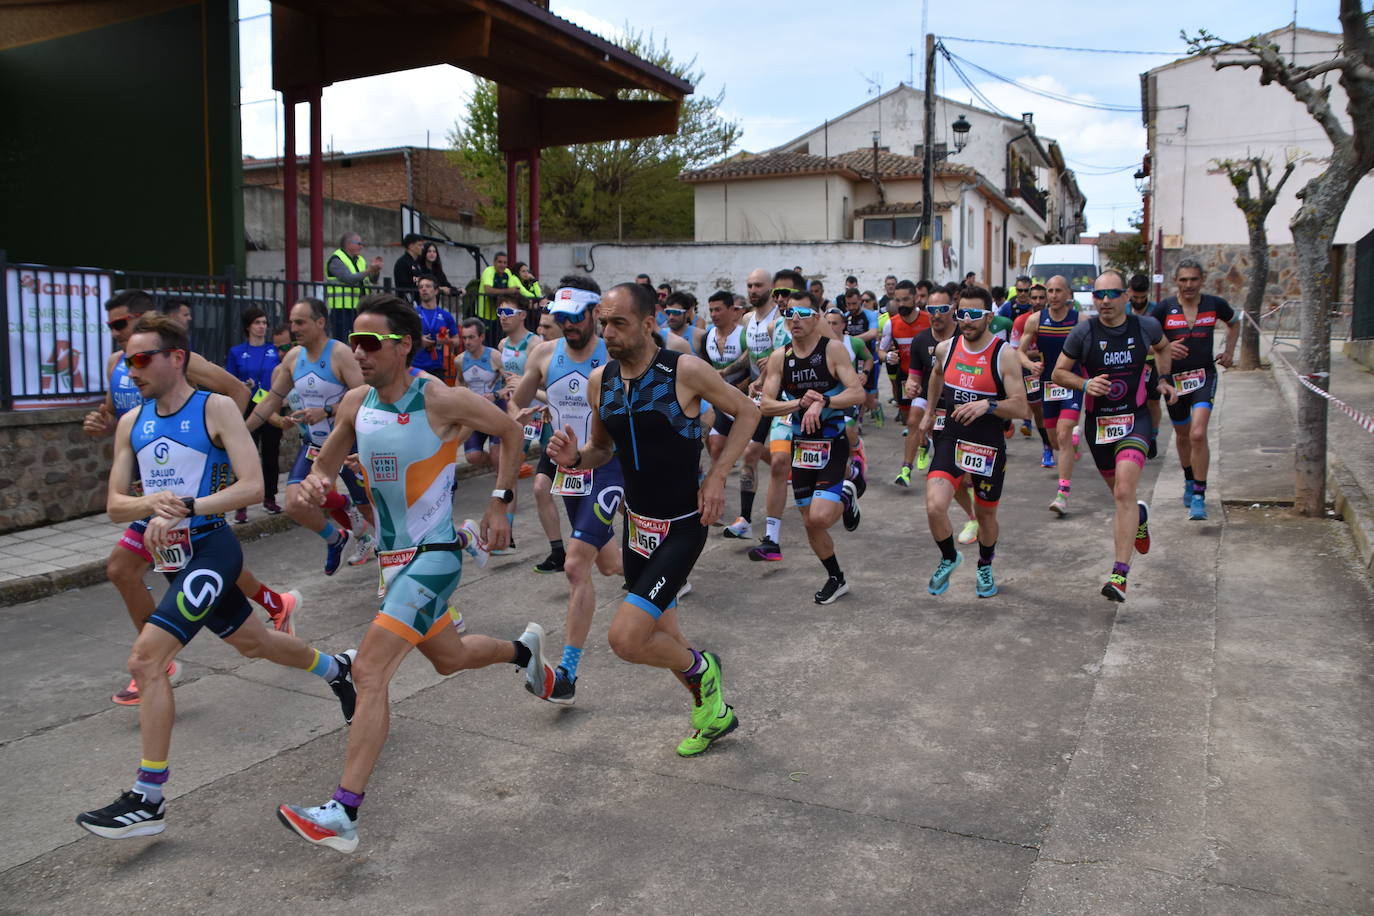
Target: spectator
[[818, 290], [430, 263], [529, 285], [889, 290], [252, 363], [407, 268], [349, 277], [643, 280], [999, 296], [179, 309], [497, 280], [850, 282], [439, 328]]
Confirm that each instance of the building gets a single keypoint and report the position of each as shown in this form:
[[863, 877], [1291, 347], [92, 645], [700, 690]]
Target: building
[[859, 178], [1195, 116]]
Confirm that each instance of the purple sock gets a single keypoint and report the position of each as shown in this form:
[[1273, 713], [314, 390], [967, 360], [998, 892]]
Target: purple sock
[[351, 801], [698, 664], [1121, 569]]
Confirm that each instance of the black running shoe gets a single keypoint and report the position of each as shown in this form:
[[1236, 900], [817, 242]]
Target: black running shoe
[[551, 564], [342, 685], [564, 688], [850, 501], [832, 589], [129, 816]]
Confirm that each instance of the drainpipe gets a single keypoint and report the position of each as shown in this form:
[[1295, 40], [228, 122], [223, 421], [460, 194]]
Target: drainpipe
[[410, 180]]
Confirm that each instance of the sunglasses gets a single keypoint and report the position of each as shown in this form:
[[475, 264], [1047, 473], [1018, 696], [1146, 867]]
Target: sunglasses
[[971, 314], [675, 312], [1108, 293], [369, 341], [798, 311], [507, 312], [780, 292], [564, 318], [939, 309], [117, 324], [834, 311], [143, 358]]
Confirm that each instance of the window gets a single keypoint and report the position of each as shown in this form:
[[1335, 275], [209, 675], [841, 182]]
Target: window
[[878, 230], [937, 232], [1011, 254], [894, 228]]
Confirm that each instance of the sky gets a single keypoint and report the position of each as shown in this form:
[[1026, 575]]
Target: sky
[[845, 52]]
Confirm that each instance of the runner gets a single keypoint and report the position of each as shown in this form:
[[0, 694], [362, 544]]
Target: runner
[[130, 560], [894, 347], [976, 381], [1022, 303], [648, 402], [562, 368], [545, 471], [1111, 349], [185, 444], [681, 311], [861, 323], [723, 347], [1141, 304], [313, 377], [759, 341], [1039, 350], [406, 427], [816, 372], [1190, 321], [1034, 395], [856, 483]]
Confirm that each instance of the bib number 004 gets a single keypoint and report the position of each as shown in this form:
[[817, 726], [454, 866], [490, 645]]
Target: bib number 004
[[810, 454]]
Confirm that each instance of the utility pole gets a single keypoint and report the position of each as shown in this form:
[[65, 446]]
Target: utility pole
[[928, 167]]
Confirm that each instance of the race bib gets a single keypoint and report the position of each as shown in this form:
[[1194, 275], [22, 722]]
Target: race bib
[[1055, 392], [646, 534], [572, 483], [939, 419], [810, 454], [532, 430], [974, 457], [391, 562], [1190, 381], [1111, 429], [1032, 384], [174, 556]]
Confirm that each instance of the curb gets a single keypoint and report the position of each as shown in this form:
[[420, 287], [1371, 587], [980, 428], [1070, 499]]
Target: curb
[[32, 588], [1351, 501]]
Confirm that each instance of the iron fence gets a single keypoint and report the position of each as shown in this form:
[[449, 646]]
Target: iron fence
[[1284, 321]]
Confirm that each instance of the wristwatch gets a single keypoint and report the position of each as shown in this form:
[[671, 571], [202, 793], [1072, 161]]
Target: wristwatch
[[329, 410], [190, 503], [506, 496], [992, 405]]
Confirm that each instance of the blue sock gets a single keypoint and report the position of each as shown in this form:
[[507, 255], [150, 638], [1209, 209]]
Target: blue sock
[[326, 666], [330, 534], [571, 656], [510, 520]]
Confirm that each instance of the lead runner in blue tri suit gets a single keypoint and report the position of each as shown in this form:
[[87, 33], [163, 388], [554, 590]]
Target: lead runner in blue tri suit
[[648, 411], [186, 445]]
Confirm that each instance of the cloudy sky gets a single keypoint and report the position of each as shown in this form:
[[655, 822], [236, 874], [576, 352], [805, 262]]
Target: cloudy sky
[[784, 71]]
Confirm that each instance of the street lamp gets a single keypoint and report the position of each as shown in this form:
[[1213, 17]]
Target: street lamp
[[1142, 181], [961, 127]]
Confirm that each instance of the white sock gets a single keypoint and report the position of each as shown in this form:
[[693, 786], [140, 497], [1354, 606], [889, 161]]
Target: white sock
[[772, 528]]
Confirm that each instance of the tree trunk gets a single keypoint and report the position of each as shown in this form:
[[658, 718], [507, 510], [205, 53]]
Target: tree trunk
[[1312, 241], [1254, 296]]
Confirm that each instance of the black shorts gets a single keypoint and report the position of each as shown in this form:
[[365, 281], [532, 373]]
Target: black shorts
[[305, 463], [1106, 454], [987, 487], [1152, 383], [1181, 411], [724, 423], [203, 594], [761, 431], [656, 579], [546, 466], [825, 482], [1034, 386]]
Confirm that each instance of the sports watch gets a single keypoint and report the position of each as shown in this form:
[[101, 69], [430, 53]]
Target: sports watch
[[506, 496]]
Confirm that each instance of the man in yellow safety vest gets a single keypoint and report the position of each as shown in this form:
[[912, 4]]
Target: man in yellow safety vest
[[348, 276]]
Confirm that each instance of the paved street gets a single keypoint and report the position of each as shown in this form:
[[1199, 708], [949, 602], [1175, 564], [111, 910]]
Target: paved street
[[1203, 748]]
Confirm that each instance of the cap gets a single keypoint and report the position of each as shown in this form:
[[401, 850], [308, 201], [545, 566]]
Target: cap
[[572, 301]]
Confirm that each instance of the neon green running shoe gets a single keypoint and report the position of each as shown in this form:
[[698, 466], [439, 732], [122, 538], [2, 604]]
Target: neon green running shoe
[[903, 477], [708, 702], [923, 458], [969, 533], [700, 739]]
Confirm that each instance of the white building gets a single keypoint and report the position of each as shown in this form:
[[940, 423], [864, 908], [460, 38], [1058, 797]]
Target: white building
[[1197, 115], [1006, 192]]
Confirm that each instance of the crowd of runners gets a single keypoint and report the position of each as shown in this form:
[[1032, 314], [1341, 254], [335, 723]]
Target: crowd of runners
[[631, 408]]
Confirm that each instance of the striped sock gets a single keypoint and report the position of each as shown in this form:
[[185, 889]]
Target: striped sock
[[326, 666], [148, 782]]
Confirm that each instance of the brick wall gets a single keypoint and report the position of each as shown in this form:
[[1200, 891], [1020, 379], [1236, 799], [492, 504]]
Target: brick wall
[[438, 188], [1227, 267]]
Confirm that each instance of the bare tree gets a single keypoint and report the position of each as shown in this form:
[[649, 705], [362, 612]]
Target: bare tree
[[1255, 207], [1324, 199]]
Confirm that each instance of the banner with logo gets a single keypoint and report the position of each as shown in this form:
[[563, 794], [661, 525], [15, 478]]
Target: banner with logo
[[58, 342]]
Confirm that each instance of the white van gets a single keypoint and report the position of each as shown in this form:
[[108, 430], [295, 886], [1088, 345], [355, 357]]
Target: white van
[[1079, 264]]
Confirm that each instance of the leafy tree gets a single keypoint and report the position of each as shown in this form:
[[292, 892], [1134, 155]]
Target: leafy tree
[[615, 189], [1128, 253]]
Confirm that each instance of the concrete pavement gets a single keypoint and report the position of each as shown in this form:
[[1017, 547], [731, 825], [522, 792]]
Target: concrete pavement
[[1201, 748]]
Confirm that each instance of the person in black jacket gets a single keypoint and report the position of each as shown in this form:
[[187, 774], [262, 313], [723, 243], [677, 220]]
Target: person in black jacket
[[407, 267]]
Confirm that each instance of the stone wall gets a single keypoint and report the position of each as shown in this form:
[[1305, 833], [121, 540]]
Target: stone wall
[[1227, 268], [50, 471]]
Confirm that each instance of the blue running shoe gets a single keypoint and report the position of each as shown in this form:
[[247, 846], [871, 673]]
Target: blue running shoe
[[1187, 494], [986, 588], [940, 581], [1197, 510], [333, 554], [1047, 458]]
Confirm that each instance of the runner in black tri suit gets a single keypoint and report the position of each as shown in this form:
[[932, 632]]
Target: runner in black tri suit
[[1112, 350], [648, 413], [817, 375]]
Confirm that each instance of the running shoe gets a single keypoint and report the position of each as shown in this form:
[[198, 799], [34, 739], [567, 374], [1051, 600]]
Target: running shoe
[[1197, 510], [1142, 530], [476, 549], [271, 506], [833, 589], [1187, 494], [903, 477], [507, 550], [1115, 589], [129, 695], [328, 825], [1154, 449], [130, 815], [333, 553], [969, 533], [940, 581], [456, 616], [878, 418], [526, 470], [551, 564], [342, 685], [539, 674], [1077, 435], [1025, 428], [985, 586], [684, 591], [365, 551], [356, 523], [739, 528], [240, 516], [766, 550], [700, 739], [1047, 458], [564, 688], [708, 703], [923, 457], [284, 621], [1008, 430], [1060, 504], [850, 500], [906, 431]]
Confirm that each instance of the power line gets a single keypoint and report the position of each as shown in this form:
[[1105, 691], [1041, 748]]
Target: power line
[[1050, 94], [1022, 44]]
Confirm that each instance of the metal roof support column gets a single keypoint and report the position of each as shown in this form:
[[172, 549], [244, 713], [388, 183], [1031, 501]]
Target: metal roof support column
[[511, 165], [290, 231], [316, 188], [534, 212]]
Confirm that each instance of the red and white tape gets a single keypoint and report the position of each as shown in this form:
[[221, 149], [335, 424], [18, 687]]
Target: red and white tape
[[1365, 421]]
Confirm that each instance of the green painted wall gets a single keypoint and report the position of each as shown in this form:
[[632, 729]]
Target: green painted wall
[[121, 147]]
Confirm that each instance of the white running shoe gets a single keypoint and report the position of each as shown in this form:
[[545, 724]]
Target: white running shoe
[[969, 533], [684, 591], [740, 528], [365, 550], [475, 549], [328, 825]]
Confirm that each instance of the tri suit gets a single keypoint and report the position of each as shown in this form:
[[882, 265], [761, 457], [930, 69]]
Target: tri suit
[[976, 449]]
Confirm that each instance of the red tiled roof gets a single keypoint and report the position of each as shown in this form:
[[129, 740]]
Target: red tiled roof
[[857, 164]]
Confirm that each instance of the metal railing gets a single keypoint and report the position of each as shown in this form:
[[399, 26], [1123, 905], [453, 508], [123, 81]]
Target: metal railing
[[1284, 321]]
